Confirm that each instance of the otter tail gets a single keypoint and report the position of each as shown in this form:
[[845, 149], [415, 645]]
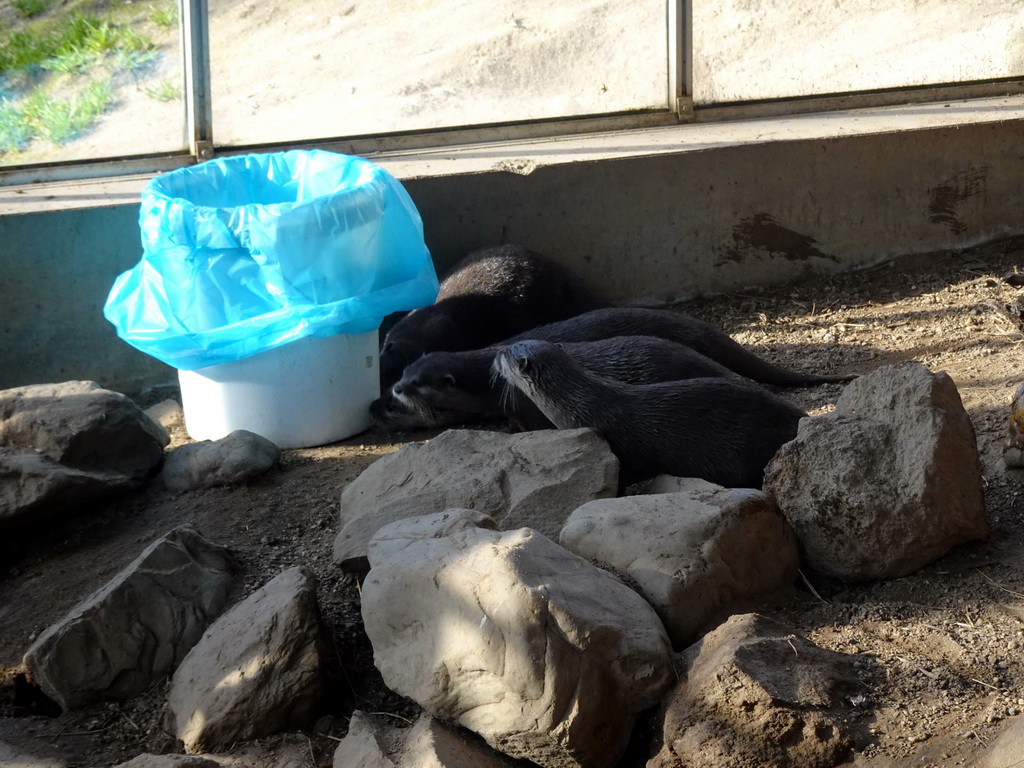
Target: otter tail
[[741, 360]]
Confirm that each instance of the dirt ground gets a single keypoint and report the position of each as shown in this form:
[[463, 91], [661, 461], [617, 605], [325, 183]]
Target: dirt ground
[[948, 639]]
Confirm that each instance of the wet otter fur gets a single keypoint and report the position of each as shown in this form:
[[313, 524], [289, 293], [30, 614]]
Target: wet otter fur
[[722, 430], [488, 296], [442, 386]]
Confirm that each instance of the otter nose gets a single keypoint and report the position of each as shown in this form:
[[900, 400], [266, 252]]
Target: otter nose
[[404, 386]]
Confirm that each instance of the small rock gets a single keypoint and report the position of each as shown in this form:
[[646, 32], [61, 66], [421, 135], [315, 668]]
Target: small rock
[[371, 743], [167, 413], [368, 743], [232, 460]]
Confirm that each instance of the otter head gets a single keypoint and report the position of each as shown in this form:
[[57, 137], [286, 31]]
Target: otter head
[[527, 366], [547, 375], [450, 380], [422, 330]]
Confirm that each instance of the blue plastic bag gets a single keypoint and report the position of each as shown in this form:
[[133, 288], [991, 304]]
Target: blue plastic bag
[[244, 254]]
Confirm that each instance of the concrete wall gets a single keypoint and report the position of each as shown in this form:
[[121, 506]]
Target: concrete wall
[[672, 226], [652, 229], [56, 269]]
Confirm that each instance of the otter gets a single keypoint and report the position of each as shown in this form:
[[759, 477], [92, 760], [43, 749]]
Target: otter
[[489, 295], [722, 430], [436, 407], [689, 331], [442, 388]]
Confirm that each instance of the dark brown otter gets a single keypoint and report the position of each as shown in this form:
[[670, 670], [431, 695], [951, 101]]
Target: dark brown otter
[[722, 430], [490, 295], [682, 329], [443, 388]]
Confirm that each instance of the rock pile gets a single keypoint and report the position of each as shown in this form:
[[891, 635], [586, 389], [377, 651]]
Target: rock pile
[[532, 616]]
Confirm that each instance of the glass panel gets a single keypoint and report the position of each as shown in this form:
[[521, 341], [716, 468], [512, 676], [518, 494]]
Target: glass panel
[[762, 49], [300, 69], [89, 80]]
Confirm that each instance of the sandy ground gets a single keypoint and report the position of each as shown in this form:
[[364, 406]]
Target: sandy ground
[[948, 638]]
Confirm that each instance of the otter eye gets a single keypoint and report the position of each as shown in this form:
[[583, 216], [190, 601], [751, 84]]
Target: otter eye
[[523, 364], [449, 380]]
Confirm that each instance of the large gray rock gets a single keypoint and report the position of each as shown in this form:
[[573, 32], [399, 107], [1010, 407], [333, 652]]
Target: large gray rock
[[1008, 749], [136, 628], [12, 756], [392, 539], [511, 636], [888, 482], [755, 695], [532, 479], [256, 671], [372, 743], [285, 751], [234, 459], [169, 761], [34, 487], [691, 553], [82, 425], [70, 442]]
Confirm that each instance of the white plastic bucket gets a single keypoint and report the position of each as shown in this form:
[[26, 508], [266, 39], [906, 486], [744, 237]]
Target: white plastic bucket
[[309, 392]]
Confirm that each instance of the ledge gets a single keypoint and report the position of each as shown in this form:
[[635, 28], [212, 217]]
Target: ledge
[[525, 156]]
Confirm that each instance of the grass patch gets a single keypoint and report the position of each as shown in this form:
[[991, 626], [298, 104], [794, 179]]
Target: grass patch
[[82, 43], [23, 50], [164, 15], [14, 134], [60, 120], [87, 50], [165, 90], [30, 8]]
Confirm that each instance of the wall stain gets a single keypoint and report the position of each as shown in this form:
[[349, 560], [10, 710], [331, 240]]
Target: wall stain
[[761, 232], [945, 199]]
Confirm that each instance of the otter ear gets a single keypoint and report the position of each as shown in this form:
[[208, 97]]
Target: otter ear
[[449, 380]]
